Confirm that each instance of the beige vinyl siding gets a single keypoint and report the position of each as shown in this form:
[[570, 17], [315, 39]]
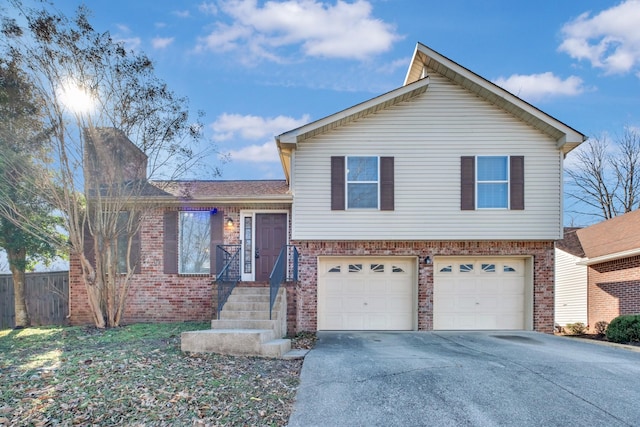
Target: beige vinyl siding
[[571, 289], [427, 136]]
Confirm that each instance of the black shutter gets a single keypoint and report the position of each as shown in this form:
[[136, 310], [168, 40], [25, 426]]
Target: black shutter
[[387, 186], [134, 257], [467, 183], [170, 246], [217, 238], [337, 183], [516, 182]]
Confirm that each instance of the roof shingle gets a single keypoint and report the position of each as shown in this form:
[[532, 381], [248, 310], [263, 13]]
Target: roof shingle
[[612, 236], [198, 190], [570, 243]]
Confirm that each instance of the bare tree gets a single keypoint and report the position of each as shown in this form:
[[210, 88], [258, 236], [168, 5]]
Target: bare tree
[[101, 183], [604, 178]]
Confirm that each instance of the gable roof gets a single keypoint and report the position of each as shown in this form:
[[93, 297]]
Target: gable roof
[[612, 239], [425, 58], [287, 141], [570, 243], [230, 192], [416, 83]]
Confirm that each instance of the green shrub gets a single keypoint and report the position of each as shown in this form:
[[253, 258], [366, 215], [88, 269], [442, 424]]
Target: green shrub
[[624, 328], [601, 327], [577, 328]]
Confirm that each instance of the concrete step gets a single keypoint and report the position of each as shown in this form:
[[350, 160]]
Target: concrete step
[[246, 306], [248, 298], [244, 315], [275, 348], [239, 290], [237, 342], [274, 325], [244, 327]]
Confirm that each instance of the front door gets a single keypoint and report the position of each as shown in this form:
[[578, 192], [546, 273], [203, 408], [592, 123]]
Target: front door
[[271, 236]]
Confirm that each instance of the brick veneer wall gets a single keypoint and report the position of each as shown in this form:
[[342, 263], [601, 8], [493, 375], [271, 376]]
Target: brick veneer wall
[[613, 289], [153, 295], [543, 273]]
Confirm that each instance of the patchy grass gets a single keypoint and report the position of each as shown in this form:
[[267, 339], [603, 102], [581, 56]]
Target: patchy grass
[[136, 375]]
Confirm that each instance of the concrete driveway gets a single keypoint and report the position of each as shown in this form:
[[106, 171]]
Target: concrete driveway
[[466, 379]]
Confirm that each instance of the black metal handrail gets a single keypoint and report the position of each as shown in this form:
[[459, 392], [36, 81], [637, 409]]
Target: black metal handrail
[[283, 271], [227, 271]]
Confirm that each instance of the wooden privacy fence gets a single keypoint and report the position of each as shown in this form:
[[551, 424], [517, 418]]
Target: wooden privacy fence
[[47, 296]]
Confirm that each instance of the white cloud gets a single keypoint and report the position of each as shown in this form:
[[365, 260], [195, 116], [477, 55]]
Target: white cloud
[[538, 86], [124, 36], [208, 8], [341, 30], [131, 43], [609, 40], [229, 126], [267, 152], [182, 13], [161, 42], [391, 67]]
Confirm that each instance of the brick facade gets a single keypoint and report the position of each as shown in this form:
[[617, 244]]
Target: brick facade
[[543, 273], [153, 295], [613, 289], [158, 297]]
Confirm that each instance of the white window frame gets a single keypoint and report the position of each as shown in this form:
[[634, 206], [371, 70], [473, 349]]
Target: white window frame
[[507, 181], [180, 234], [347, 182]]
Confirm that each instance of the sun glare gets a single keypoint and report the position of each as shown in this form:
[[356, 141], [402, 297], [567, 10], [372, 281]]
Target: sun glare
[[74, 97]]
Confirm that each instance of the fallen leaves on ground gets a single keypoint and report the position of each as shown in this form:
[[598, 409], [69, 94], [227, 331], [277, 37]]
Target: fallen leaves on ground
[[95, 378]]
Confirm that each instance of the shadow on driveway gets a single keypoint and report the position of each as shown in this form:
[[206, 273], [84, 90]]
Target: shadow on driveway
[[466, 379]]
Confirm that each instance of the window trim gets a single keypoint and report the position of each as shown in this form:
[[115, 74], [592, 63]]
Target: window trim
[[179, 243], [347, 182], [507, 181]]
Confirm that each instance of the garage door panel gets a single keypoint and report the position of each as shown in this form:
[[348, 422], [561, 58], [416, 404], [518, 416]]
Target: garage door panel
[[366, 294], [479, 293]]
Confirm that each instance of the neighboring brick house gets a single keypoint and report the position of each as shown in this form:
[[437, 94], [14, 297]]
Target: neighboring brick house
[[612, 250], [433, 206]]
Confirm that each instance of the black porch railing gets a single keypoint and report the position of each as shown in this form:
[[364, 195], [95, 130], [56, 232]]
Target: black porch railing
[[284, 270], [227, 271]]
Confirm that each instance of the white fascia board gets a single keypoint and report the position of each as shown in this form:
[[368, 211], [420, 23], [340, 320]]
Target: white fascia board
[[610, 257]]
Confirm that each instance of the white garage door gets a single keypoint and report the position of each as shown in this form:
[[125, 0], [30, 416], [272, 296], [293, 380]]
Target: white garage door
[[366, 293], [479, 293]]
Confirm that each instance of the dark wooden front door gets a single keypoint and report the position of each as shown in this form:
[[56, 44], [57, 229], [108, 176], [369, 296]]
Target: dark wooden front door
[[271, 236]]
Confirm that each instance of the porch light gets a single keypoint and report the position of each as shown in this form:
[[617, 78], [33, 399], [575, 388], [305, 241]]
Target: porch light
[[427, 260], [229, 222]]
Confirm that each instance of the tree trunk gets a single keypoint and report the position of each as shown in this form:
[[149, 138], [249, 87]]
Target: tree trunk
[[17, 262]]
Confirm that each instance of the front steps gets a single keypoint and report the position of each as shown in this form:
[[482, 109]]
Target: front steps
[[244, 327]]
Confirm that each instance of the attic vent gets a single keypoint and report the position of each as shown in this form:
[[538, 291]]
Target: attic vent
[[424, 72]]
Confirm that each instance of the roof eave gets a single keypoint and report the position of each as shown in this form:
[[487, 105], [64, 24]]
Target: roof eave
[[229, 200], [610, 257]]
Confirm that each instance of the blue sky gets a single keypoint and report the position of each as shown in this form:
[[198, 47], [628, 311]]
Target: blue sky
[[259, 68]]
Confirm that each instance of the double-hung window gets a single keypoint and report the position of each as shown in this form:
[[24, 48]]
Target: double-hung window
[[492, 182], [362, 182], [195, 242]]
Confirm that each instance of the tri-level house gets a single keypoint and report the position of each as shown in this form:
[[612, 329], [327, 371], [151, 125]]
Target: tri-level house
[[433, 206]]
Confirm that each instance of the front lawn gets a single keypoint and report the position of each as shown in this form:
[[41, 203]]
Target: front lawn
[[136, 375]]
